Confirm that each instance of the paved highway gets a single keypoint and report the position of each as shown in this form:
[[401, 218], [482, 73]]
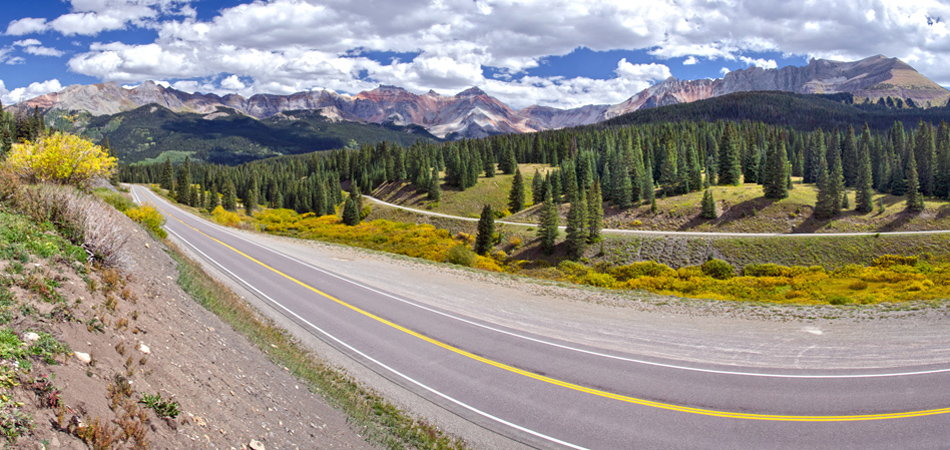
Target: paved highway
[[552, 393]]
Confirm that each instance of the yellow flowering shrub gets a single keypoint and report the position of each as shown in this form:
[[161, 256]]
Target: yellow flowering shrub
[[149, 217], [62, 159]]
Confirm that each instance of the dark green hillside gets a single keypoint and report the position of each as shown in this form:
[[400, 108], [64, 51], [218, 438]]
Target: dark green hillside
[[798, 111], [152, 133]]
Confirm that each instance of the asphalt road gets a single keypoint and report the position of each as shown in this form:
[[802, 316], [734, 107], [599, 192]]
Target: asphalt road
[[552, 393]]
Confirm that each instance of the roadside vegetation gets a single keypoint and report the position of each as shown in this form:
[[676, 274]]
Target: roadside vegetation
[[55, 230]]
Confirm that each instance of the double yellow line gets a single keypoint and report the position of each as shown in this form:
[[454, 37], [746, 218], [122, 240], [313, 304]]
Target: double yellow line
[[577, 387]]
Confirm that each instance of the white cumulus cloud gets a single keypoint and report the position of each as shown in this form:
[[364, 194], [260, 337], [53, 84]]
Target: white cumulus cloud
[[26, 26], [25, 93]]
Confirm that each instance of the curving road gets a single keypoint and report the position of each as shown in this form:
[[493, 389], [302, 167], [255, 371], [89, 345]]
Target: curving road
[[597, 378]]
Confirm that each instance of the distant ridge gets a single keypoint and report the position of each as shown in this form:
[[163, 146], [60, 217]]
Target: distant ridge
[[472, 113]]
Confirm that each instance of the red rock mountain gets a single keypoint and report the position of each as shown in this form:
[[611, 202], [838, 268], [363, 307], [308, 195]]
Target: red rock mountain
[[473, 113]]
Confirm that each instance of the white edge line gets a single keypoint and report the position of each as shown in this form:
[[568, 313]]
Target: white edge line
[[579, 350], [373, 360]]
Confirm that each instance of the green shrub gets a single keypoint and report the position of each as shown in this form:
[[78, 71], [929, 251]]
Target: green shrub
[[460, 254], [572, 269], [641, 269], [718, 269], [150, 218], [162, 408], [116, 199], [894, 260]]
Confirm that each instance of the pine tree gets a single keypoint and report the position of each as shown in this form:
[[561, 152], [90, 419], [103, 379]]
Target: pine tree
[[915, 200], [825, 205], [775, 184], [213, 200], [863, 201], [595, 212], [434, 192], [576, 220], [183, 191], [250, 198], [229, 196], [168, 176], [836, 185], [351, 212], [624, 195], [537, 188], [709, 206], [730, 167], [489, 166], [486, 231], [849, 158], [548, 227], [942, 175], [517, 195], [649, 191]]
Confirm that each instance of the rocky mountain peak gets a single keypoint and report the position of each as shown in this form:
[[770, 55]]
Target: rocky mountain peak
[[473, 91]]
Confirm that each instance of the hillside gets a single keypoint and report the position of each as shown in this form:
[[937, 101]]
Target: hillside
[[798, 111], [152, 132], [82, 343]]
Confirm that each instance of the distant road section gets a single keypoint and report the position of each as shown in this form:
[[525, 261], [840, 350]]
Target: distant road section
[[571, 392], [662, 233]]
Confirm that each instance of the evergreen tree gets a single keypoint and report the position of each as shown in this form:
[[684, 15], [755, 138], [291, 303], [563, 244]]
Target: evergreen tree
[[775, 184], [595, 212], [548, 227], [537, 188], [517, 195], [486, 231], [168, 176], [489, 166], [730, 167], [229, 196], [849, 158], [435, 189], [183, 191], [354, 193], [863, 200], [576, 221], [925, 154], [836, 185], [351, 212], [669, 176], [942, 175], [250, 198], [649, 192], [213, 200], [825, 205], [624, 194], [709, 206], [915, 200]]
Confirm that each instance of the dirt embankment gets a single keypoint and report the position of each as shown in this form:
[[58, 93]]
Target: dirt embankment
[[131, 332]]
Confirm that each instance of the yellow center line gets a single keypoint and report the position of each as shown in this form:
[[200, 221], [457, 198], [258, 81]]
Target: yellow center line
[[577, 387]]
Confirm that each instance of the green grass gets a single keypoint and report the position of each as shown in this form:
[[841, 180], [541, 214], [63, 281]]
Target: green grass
[[20, 238], [468, 203], [381, 421], [176, 156]]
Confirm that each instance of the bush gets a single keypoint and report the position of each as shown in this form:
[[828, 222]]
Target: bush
[[773, 270], [226, 218], [641, 269], [82, 219], [460, 254], [117, 200], [150, 218], [894, 260], [572, 269], [62, 159], [718, 269]]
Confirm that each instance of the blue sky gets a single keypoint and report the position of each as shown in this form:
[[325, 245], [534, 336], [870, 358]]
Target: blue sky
[[562, 53]]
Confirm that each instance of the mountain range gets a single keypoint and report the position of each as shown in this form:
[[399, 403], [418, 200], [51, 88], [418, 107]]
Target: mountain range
[[473, 113]]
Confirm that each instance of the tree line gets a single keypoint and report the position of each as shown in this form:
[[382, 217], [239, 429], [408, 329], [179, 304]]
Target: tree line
[[625, 166]]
